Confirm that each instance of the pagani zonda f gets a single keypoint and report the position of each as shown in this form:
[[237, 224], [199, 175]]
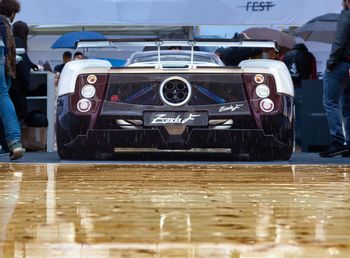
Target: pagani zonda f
[[176, 99]]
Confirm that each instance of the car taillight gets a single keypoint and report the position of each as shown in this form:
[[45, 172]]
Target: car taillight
[[84, 105], [267, 105], [89, 91], [92, 79], [261, 93], [259, 78]]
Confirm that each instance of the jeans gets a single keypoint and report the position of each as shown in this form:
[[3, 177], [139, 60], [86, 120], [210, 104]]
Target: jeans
[[7, 110], [336, 102]]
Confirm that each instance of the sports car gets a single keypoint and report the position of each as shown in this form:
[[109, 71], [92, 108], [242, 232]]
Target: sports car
[[175, 100]]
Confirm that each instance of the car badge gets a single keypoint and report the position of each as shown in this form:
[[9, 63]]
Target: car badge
[[163, 119], [230, 108]]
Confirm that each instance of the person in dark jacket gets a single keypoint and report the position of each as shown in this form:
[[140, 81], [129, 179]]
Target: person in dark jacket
[[12, 132], [66, 57], [232, 56], [336, 87], [21, 83], [302, 66]]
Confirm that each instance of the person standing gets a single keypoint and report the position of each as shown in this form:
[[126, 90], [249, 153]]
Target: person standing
[[336, 87], [66, 57], [21, 83], [8, 11], [302, 66], [78, 56]]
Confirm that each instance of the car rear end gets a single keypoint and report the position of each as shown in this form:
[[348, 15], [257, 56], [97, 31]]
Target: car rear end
[[176, 108]]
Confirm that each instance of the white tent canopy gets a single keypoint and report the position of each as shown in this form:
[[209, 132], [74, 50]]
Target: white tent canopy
[[173, 12]]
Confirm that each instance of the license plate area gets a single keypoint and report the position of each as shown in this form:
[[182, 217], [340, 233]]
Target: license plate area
[[175, 118]]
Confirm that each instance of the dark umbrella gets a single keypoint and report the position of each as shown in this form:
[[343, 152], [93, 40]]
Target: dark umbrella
[[319, 29], [69, 40], [284, 40]]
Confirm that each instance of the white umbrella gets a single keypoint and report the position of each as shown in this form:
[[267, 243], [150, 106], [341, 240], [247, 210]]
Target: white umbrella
[[319, 29]]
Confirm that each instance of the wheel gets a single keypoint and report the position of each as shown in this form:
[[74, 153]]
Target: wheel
[[262, 154], [284, 152], [76, 152], [287, 152], [269, 154], [70, 153]]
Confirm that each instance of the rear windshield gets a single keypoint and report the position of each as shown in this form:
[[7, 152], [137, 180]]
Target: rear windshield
[[174, 56]]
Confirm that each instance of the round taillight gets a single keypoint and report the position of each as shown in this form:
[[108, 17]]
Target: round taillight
[[267, 105], [259, 78], [262, 91], [88, 91], [84, 105], [92, 79]]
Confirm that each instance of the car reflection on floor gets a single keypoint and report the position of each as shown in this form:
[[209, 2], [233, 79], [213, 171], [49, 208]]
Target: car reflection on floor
[[177, 210]]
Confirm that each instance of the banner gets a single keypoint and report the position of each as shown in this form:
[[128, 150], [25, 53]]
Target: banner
[[173, 12]]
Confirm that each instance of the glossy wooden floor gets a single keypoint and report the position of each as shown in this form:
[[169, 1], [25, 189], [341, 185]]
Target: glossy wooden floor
[[174, 211]]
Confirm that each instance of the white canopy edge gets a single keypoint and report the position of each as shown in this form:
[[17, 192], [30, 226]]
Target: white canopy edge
[[173, 12]]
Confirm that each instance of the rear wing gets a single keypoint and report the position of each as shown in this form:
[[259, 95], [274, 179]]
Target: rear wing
[[106, 43], [115, 43]]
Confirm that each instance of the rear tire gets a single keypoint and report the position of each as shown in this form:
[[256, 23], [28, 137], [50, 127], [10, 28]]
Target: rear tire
[[72, 153], [270, 154], [262, 154], [284, 152], [76, 152]]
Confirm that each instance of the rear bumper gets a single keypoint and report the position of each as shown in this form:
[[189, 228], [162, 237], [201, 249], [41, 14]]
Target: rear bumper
[[194, 138], [100, 130]]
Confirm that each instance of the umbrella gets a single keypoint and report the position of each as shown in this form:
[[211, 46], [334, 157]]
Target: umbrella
[[284, 40], [319, 29], [68, 40]]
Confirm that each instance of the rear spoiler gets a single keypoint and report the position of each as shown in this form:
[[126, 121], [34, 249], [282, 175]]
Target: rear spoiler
[[152, 42]]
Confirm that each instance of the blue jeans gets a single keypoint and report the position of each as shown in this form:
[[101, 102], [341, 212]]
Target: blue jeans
[[336, 102], [7, 110]]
